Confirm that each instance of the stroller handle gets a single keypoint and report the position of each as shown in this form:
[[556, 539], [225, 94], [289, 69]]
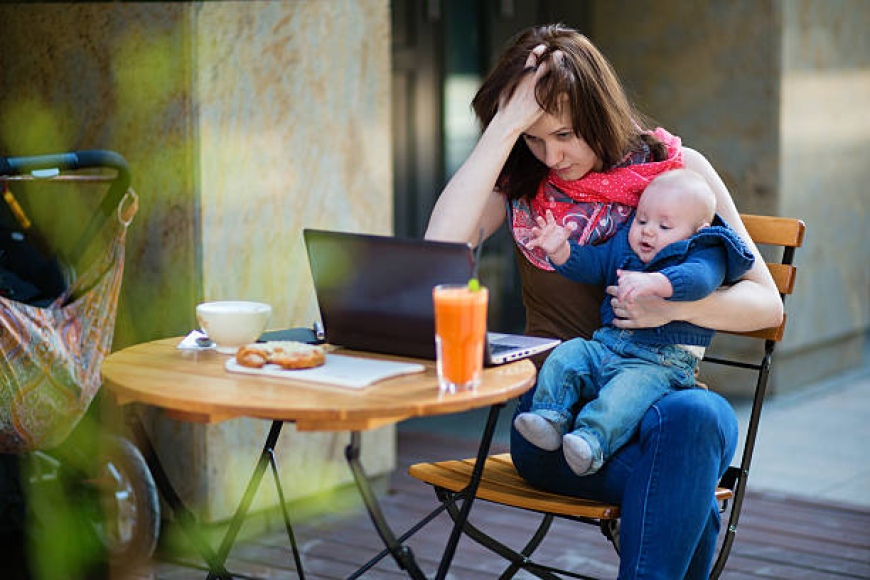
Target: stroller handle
[[85, 159], [72, 160]]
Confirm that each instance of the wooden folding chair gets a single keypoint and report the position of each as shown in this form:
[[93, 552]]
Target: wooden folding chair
[[502, 484]]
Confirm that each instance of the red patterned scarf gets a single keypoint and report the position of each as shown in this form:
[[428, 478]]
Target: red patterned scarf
[[597, 202]]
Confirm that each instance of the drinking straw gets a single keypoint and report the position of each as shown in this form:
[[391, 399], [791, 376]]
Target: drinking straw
[[474, 283]]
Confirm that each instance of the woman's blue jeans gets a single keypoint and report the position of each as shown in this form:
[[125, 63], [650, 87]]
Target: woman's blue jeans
[[664, 479]]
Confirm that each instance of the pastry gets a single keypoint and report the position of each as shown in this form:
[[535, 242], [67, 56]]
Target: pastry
[[287, 354]]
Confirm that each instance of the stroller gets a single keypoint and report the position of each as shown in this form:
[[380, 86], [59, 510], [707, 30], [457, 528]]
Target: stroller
[[57, 317]]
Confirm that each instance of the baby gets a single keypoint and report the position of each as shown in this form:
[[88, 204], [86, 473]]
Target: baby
[[675, 247]]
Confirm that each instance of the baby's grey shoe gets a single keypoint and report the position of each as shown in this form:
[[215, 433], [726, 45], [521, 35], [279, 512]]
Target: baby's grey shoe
[[538, 431], [578, 454]]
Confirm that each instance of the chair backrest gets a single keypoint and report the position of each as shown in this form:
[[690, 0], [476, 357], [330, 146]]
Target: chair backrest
[[786, 234]]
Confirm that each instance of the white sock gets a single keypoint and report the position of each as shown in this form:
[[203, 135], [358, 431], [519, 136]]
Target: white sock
[[578, 454], [538, 431]]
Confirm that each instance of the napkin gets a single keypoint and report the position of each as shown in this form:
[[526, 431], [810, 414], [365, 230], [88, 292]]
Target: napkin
[[189, 341]]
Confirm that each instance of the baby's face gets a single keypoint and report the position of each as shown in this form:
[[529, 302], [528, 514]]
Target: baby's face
[[663, 216]]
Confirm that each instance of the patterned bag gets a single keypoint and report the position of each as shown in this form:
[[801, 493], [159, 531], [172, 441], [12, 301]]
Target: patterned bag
[[51, 356]]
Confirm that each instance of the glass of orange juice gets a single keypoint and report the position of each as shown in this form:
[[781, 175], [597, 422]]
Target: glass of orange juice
[[460, 332]]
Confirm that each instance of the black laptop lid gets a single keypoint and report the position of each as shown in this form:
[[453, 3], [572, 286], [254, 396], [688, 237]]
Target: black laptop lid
[[375, 292]]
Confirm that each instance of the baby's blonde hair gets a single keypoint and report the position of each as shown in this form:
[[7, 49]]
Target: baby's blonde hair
[[691, 186]]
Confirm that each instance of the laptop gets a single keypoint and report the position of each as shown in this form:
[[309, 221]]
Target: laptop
[[375, 294]]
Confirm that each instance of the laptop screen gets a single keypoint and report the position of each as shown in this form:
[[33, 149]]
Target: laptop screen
[[375, 292]]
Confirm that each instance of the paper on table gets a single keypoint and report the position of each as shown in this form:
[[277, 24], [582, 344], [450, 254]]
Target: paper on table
[[339, 370]]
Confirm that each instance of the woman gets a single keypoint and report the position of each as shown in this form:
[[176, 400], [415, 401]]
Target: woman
[[560, 135]]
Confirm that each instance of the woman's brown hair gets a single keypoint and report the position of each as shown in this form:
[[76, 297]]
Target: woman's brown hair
[[600, 111]]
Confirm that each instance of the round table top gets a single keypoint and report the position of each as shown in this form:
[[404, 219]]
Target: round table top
[[195, 386]]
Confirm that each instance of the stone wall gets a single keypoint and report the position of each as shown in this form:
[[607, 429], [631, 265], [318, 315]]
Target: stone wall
[[824, 171], [243, 122]]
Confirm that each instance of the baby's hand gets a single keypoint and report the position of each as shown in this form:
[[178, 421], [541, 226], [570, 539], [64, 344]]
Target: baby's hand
[[632, 285], [552, 238]]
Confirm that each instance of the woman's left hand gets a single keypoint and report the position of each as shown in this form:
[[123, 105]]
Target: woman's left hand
[[642, 312]]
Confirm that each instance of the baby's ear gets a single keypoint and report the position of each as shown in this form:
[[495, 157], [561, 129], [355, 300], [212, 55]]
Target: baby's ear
[[702, 226]]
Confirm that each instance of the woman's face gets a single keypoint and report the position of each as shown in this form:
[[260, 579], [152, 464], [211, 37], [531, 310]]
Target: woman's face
[[553, 142]]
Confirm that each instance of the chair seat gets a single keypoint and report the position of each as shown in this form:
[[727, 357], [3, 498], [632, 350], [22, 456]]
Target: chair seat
[[502, 484]]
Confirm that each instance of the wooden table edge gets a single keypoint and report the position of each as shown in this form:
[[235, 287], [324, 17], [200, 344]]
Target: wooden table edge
[[310, 420]]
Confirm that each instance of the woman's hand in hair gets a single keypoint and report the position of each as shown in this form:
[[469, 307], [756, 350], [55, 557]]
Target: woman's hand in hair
[[520, 108]]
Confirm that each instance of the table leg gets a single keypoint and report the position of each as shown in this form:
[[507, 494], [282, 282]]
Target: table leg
[[470, 492], [396, 546], [401, 553], [297, 558], [267, 457], [187, 520]]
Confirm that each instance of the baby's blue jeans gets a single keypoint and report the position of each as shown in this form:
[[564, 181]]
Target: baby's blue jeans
[[600, 389]]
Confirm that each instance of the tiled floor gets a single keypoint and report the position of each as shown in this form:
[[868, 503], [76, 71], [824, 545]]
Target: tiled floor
[[814, 443]]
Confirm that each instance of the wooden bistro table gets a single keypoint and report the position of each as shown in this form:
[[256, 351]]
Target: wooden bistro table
[[195, 386]]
